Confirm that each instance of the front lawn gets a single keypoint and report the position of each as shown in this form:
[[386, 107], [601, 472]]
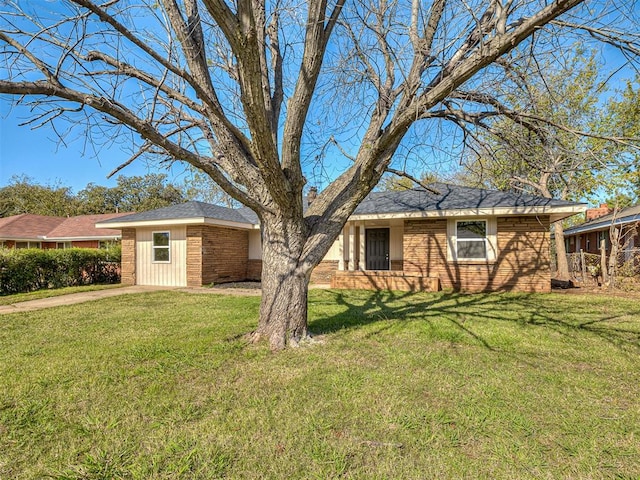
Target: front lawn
[[163, 385]]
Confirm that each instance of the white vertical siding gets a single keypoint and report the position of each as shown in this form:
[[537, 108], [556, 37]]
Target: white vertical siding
[[255, 245], [396, 236], [172, 274]]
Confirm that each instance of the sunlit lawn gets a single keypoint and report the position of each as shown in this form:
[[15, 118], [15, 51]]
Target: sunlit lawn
[[163, 385]]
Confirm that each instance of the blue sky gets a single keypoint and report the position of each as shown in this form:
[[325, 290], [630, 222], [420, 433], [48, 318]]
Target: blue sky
[[38, 154]]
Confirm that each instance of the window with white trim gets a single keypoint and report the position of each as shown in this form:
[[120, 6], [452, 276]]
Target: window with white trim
[[161, 247], [471, 240]]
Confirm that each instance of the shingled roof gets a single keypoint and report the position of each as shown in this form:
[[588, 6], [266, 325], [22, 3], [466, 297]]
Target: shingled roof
[[450, 197], [27, 226], [191, 210], [624, 216]]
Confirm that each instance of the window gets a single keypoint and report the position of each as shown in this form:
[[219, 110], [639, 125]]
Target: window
[[471, 240], [28, 245], [63, 245], [604, 236], [161, 247]]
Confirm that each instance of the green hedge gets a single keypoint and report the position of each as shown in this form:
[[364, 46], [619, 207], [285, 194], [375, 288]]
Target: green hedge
[[32, 269]]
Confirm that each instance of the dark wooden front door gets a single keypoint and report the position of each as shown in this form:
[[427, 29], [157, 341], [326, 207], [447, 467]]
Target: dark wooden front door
[[377, 240]]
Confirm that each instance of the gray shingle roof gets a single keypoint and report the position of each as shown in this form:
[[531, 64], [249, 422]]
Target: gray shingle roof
[[192, 210], [626, 215], [451, 197]]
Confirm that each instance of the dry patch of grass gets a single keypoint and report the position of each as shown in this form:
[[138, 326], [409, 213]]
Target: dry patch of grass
[[162, 385]]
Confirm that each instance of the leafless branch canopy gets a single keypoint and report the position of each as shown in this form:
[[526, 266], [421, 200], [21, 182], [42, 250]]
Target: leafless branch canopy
[[234, 88]]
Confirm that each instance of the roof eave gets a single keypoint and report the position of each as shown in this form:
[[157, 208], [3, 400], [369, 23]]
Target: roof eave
[[602, 225], [555, 212], [178, 222]]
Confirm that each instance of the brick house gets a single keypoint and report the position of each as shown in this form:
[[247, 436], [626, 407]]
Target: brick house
[[589, 235], [41, 231], [461, 238]]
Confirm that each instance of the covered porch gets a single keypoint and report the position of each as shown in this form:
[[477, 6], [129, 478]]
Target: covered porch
[[370, 255]]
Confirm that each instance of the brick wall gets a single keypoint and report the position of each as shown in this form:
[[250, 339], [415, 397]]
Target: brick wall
[[216, 254], [522, 264], [128, 262], [384, 280], [397, 265], [85, 244], [324, 271], [254, 269]]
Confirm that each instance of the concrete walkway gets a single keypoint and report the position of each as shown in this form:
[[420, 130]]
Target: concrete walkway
[[73, 298], [81, 297]]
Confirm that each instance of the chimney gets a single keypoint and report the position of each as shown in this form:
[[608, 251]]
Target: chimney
[[593, 213], [311, 196]]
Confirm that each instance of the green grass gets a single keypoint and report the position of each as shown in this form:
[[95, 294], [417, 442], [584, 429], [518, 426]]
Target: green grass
[[163, 386], [54, 292]]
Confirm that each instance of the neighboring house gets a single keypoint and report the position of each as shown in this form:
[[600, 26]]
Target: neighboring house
[[589, 235], [461, 238], [40, 231]]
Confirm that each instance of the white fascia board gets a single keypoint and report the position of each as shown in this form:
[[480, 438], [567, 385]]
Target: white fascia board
[[81, 239], [561, 212], [23, 239], [178, 221]]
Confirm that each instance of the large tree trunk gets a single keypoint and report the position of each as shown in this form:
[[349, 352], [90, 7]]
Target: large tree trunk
[[285, 284], [562, 263]]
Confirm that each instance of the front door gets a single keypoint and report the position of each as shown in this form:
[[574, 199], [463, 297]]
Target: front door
[[377, 250]]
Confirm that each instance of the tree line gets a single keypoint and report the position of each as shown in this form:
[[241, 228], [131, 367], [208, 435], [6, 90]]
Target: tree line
[[23, 194]]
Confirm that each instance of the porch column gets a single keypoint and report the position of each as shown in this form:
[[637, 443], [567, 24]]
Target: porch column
[[341, 250], [352, 244], [361, 263]]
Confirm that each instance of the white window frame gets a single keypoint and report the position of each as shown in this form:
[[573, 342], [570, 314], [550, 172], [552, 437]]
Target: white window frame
[[155, 247], [490, 240]]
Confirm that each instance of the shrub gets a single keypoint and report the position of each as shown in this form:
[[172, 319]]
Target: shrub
[[33, 269]]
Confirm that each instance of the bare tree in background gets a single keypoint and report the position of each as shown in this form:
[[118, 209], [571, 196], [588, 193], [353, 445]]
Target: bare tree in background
[[243, 89], [555, 140]]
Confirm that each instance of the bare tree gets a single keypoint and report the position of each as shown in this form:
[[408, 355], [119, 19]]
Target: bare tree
[[554, 139], [242, 90]]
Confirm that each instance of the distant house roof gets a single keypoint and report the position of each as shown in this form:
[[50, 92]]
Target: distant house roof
[[450, 200], [84, 226], [28, 226], [45, 228], [622, 217]]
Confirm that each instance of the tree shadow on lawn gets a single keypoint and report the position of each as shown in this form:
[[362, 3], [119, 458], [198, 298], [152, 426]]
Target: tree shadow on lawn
[[548, 311]]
